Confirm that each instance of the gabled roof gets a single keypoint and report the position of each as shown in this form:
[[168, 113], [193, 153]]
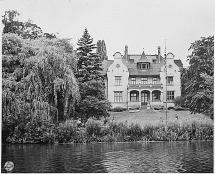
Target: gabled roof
[[143, 58]]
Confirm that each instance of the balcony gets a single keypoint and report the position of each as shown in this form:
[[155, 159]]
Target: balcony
[[145, 86]]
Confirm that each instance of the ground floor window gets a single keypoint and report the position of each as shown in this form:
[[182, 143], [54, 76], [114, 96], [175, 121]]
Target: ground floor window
[[156, 96], [118, 96], [134, 97], [170, 95]]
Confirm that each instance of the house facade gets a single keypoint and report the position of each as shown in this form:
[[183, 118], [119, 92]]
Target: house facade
[[139, 80]]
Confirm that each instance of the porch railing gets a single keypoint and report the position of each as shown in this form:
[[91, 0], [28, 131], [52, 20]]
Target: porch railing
[[159, 85]]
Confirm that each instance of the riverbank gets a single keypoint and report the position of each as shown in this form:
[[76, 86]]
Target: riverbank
[[147, 125]]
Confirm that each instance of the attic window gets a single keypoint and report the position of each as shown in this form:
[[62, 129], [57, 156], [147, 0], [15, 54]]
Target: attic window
[[144, 65]]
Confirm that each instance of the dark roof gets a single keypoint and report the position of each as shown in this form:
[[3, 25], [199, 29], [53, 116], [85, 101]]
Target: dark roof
[[132, 67], [179, 63], [143, 58], [105, 65], [154, 69]]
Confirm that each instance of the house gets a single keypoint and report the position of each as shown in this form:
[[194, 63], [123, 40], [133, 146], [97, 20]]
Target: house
[[139, 80]]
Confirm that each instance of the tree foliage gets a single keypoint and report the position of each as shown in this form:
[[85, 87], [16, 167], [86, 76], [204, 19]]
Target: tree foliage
[[199, 84], [38, 85], [101, 50], [26, 30], [91, 82]]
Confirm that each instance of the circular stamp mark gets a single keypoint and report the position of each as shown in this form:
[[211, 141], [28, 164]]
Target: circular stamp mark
[[9, 166]]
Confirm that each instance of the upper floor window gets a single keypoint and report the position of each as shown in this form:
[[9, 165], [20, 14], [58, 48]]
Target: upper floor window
[[170, 95], [144, 80], [170, 80], [118, 81], [154, 80], [133, 80], [118, 96], [144, 65]]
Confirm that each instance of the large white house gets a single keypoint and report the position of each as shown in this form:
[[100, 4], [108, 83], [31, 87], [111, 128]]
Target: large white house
[[140, 80]]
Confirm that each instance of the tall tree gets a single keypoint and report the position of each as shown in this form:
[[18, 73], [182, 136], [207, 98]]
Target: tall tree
[[38, 85], [101, 50], [11, 23], [91, 82], [199, 85], [27, 30]]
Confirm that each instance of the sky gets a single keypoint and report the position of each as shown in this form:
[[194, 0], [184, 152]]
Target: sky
[[137, 23]]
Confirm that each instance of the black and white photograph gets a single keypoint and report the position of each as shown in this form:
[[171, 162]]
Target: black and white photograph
[[107, 86]]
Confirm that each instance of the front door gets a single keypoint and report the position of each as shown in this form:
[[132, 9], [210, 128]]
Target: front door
[[144, 98]]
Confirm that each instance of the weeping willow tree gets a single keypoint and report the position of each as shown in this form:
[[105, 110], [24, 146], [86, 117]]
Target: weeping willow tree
[[38, 85]]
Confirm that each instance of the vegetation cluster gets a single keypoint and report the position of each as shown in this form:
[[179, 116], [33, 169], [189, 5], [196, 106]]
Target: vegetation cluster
[[198, 79], [45, 82], [106, 130]]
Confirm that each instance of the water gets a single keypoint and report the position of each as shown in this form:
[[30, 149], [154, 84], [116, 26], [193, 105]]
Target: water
[[149, 157]]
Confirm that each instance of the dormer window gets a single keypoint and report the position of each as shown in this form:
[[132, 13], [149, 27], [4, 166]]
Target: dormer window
[[143, 63], [144, 66]]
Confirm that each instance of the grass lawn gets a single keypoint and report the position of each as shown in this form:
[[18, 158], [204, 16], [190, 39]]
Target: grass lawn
[[153, 117]]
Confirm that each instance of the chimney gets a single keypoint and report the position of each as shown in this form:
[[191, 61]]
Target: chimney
[[159, 54], [126, 52]]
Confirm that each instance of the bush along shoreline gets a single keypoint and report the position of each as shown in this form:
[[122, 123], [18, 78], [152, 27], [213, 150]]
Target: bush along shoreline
[[109, 131]]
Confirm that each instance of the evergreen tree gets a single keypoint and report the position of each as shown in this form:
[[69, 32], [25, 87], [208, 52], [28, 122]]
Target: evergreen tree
[[93, 102]]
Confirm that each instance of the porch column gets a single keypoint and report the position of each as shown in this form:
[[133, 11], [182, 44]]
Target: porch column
[[139, 99], [128, 97], [150, 96], [139, 95], [161, 96]]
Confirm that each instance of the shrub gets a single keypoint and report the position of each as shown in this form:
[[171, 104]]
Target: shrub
[[134, 132], [180, 101], [118, 109], [93, 127], [66, 132]]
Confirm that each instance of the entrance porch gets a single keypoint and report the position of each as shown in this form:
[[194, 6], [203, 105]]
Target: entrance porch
[[140, 99]]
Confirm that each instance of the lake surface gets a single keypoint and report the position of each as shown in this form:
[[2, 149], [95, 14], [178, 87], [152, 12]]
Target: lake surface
[[149, 157]]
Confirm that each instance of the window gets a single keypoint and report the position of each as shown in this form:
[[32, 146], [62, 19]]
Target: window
[[118, 96], [170, 95], [154, 61], [154, 80], [144, 66], [133, 80], [155, 96], [118, 81], [170, 80], [144, 80], [133, 96]]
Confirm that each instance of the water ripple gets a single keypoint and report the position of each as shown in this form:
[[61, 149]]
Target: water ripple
[[139, 157]]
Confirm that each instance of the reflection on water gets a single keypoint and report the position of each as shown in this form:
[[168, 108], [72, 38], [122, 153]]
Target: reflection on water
[[162, 157]]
